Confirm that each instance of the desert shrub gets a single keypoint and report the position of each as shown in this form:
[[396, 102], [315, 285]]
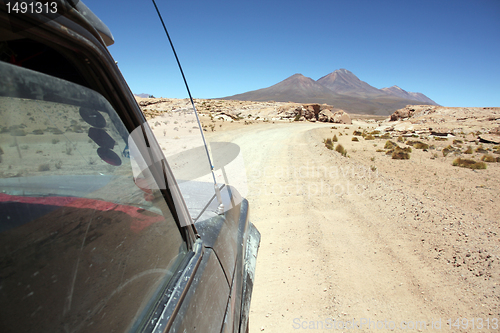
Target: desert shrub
[[297, 117], [358, 133], [354, 138], [390, 145], [488, 158], [434, 156], [341, 150], [335, 139], [328, 143], [421, 145], [38, 132], [59, 165], [466, 163], [439, 138], [1, 151], [43, 167], [369, 137], [468, 150], [386, 136], [380, 150], [375, 132], [456, 142], [400, 155], [18, 132], [418, 144], [496, 151], [373, 168], [401, 139], [481, 150], [398, 150]]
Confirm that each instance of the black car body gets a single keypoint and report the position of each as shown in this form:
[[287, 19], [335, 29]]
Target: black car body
[[98, 232]]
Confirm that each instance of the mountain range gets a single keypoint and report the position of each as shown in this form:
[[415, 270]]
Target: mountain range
[[342, 89]]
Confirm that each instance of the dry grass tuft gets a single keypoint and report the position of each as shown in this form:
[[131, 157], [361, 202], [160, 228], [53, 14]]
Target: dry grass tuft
[[481, 150], [466, 163], [418, 144], [328, 143], [355, 139], [43, 167], [400, 154], [335, 139], [341, 150], [390, 145], [369, 137], [358, 133], [469, 150], [386, 136], [489, 158]]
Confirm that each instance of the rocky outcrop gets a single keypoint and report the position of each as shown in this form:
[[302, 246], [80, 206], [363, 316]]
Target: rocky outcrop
[[323, 113], [495, 131], [325, 116], [412, 110], [250, 111], [151, 101], [489, 138]]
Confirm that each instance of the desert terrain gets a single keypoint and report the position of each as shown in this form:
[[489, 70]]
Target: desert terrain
[[361, 237]]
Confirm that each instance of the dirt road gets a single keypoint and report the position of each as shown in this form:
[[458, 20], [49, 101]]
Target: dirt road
[[342, 243]]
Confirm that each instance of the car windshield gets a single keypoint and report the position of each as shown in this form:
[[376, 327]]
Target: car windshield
[[84, 243]]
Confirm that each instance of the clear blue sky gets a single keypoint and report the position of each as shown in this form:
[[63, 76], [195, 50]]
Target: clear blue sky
[[448, 50]]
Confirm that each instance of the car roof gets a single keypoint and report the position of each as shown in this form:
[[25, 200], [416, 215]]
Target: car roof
[[95, 21]]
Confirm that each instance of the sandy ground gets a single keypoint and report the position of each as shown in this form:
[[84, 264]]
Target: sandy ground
[[387, 244]]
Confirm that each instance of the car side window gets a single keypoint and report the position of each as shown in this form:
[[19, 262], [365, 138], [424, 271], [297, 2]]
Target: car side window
[[83, 244]]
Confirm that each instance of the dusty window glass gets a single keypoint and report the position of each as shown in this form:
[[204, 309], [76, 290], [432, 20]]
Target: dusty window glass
[[83, 247]]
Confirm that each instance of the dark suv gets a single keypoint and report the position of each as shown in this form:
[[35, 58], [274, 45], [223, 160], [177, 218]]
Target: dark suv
[[98, 232]]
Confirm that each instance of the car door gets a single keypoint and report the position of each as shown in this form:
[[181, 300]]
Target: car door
[[86, 246]]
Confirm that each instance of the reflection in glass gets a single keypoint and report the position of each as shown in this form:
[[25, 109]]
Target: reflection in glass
[[83, 247]]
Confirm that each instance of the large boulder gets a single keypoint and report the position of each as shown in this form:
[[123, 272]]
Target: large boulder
[[325, 116], [341, 117]]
